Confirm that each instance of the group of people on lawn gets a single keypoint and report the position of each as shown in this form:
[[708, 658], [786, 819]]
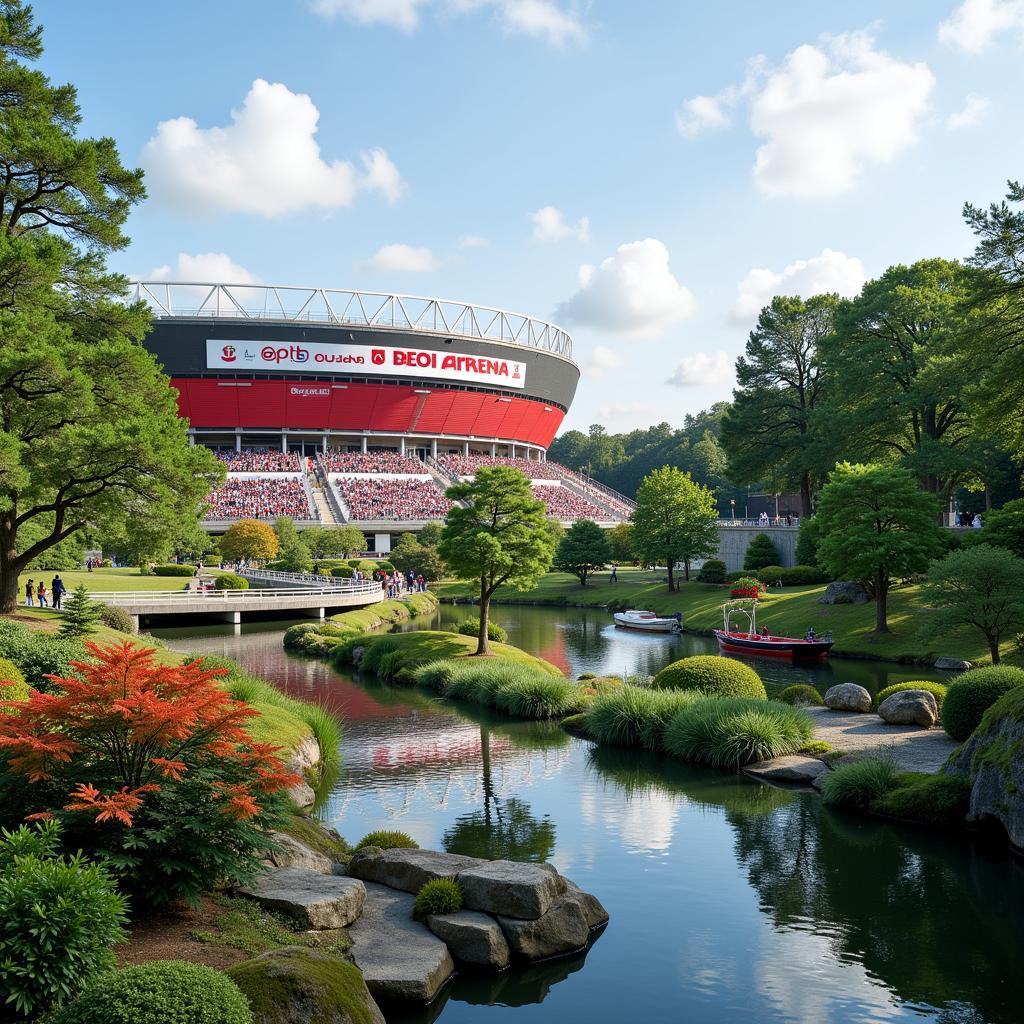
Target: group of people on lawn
[[34, 593]]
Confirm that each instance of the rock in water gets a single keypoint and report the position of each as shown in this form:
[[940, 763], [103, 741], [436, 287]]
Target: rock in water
[[953, 664], [399, 957], [472, 937], [563, 929], [296, 985], [593, 910], [848, 697], [312, 899], [844, 592], [510, 888], [910, 707], [408, 870], [790, 768]]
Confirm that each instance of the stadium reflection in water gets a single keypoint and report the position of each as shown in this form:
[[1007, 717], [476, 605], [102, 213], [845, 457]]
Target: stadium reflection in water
[[730, 902]]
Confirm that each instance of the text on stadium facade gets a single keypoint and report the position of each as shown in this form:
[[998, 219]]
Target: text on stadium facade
[[399, 362]]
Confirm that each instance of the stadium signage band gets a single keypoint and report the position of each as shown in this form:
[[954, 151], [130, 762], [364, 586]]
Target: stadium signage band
[[398, 362]]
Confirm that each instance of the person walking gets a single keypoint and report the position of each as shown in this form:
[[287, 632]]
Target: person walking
[[614, 578], [30, 592], [56, 590], [976, 521], [41, 593]]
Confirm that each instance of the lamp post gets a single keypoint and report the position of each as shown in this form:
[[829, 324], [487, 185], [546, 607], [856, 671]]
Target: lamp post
[[732, 506]]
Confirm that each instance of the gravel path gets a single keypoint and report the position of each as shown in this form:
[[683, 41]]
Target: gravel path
[[915, 749]]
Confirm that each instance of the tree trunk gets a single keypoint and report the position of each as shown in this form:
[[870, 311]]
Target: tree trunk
[[881, 599], [993, 646], [10, 567], [671, 576], [482, 646], [806, 509], [686, 569]]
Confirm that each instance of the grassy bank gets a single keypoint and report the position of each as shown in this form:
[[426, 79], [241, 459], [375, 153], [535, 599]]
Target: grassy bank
[[101, 581], [787, 612]]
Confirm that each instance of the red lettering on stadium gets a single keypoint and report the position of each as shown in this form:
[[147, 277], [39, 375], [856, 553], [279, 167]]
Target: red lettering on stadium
[[473, 364]]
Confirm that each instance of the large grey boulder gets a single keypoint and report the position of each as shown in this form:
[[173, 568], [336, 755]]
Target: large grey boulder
[[910, 707], [794, 768], [844, 592], [510, 888], [562, 929], [399, 957], [293, 854], [408, 870], [302, 795], [296, 985], [593, 910], [848, 697], [952, 664], [314, 900], [472, 938]]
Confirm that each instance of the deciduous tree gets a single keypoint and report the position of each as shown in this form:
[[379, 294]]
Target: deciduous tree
[[583, 550], [249, 540]]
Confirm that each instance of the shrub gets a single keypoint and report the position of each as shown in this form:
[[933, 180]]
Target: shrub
[[117, 618], [712, 571], [760, 551], [37, 654], [970, 695], [746, 586], [634, 716], [807, 542], [150, 765], [10, 673], [713, 675], [540, 696], [937, 690], [230, 581], [342, 572], [60, 916], [384, 565], [212, 561], [435, 675], [79, 615], [793, 576], [174, 570], [799, 694], [438, 896], [939, 800], [471, 627], [733, 731], [386, 840], [160, 992], [816, 748], [858, 783]]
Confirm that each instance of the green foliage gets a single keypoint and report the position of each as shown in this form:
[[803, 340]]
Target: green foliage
[[438, 896], [712, 675], [583, 550], [79, 614], [729, 732], [317, 836], [173, 570], [160, 992], [792, 576], [249, 540], [937, 690], [876, 525], [519, 689], [344, 572], [970, 695], [634, 716], [539, 696], [407, 554], [231, 581], [1004, 528], [857, 784], [675, 520], [388, 840], [471, 627], [38, 654], [978, 587], [328, 541], [60, 916], [807, 538], [712, 571], [117, 618], [10, 673], [761, 551], [620, 543], [937, 800], [799, 694]]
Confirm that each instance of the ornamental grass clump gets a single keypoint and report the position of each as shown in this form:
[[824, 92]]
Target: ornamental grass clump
[[539, 696], [634, 716], [712, 675], [388, 840], [471, 627], [857, 783], [150, 765], [438, 896], [801, 694], [937, 690], [970, 695], [733, 731]]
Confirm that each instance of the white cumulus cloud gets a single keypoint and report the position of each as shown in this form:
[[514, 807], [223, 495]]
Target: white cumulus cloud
[[266, 161], [550, 226], [472, 242], [542, 19], [214, 267], [402, 258], [704, 113], [602, 359], [713, 371], [401, 14], [633, 293], [830, 271], [974, 25], [974, 111]]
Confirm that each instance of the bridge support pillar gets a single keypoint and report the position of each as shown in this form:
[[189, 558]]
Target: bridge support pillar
[[317, 613], [235, 618], [135, 622]]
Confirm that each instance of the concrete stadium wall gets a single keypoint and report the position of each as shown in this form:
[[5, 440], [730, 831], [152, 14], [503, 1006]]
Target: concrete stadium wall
[[733, 542]]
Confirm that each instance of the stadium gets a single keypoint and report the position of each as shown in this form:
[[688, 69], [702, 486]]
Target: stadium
[[335, 406]]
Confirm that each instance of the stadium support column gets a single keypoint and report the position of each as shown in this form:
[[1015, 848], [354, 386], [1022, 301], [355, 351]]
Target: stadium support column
[[401, 446], [324, 444], [433, 448], [238, 440], [284, 441], [364, 444], [513, 451], [382, 543], [465, 448], [494, 449]]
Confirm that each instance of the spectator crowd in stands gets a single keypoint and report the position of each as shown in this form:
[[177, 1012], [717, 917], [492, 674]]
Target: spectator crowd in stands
[[564, 503], [388, 498], [259, 499], [260, 460], [467, 465], [371, 462]]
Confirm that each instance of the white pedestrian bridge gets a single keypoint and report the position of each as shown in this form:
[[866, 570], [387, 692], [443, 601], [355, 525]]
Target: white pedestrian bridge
[[299, 594]]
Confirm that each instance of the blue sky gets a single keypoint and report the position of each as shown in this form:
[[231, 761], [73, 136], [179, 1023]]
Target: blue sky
[[647, 173]]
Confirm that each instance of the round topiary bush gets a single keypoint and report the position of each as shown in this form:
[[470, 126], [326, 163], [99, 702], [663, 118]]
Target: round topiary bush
[[231, 581], [937, 690], [799, 694], [712, 571], [342, 572], [386, 840], [438, 896], [160, 992], [970, 695], [174, 570], [117, 618], [712, 674], [471, 627]]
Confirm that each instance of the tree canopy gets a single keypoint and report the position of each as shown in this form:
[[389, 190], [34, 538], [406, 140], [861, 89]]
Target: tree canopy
[[583, 550], [249, 540]]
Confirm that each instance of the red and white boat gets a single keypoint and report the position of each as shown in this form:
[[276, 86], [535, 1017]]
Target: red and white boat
[[750, 641]]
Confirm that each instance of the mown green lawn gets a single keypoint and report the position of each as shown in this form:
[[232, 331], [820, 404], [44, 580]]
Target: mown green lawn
[[106, 580], [786, 612]]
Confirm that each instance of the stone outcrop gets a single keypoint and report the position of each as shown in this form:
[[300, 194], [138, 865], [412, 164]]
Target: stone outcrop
[[293, 854], [910, 707], [510, 888], [296, 985], [314, 900], [472, 938], [793, 768], [408, 870], [593, 911], [560, 929], [844, 592], [848, 697], [952, 664]]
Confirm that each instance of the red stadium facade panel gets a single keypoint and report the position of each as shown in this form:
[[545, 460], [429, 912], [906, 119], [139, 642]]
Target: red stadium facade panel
[[211, 404]]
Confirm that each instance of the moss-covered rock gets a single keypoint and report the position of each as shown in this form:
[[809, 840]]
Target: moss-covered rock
[[296, 985]]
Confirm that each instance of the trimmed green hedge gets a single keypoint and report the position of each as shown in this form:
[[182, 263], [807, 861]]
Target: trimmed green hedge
[[970, 695], [712, 571], [231, 581], [713, 675], [174, 570]]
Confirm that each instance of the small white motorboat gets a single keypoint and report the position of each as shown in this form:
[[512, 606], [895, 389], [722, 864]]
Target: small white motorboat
[[648, 622]]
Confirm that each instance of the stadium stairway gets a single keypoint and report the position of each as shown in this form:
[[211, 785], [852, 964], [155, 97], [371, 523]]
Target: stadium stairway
[[323, 506]]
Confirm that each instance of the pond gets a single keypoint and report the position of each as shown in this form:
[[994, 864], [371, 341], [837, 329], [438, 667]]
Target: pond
[[730, 902]]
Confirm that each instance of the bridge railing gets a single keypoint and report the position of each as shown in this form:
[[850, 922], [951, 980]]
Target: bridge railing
[[226, 598], [309, 579]]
